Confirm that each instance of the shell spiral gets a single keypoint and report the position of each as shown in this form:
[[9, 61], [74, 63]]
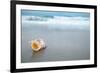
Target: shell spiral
[[37, 44]]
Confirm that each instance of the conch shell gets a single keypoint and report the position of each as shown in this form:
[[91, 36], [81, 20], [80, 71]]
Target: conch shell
[[37, 44]]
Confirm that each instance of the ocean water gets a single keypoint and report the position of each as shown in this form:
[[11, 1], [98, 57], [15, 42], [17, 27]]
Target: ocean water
[[62, 45]]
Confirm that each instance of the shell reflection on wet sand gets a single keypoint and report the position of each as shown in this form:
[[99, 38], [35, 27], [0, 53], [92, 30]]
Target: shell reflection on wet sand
[[37, 44]]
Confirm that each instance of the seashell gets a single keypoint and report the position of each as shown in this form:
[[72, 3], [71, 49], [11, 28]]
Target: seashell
[[37, 44]]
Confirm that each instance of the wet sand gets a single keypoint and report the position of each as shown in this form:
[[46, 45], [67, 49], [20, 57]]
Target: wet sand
[[62, 45]]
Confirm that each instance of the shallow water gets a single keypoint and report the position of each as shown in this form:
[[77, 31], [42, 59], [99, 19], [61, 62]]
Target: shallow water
[[62, 45]]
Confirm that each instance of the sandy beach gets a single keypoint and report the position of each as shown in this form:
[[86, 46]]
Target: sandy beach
[[62, 45]]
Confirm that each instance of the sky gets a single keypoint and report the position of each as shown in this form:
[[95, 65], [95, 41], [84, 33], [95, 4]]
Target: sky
[[56, 19]]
